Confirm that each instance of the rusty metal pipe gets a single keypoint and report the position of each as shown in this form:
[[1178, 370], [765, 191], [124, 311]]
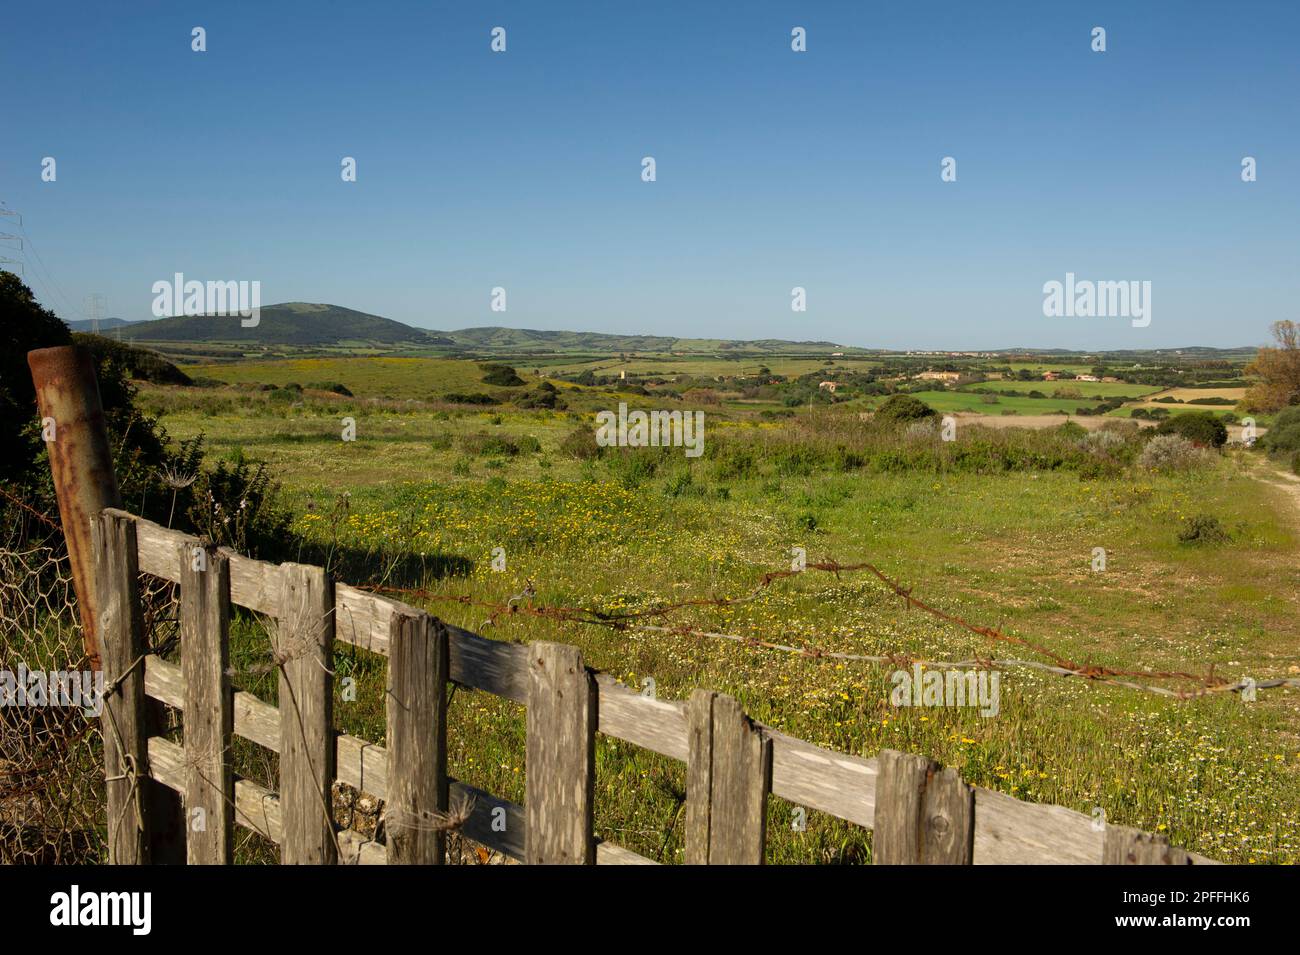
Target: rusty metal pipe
[[67, 397]]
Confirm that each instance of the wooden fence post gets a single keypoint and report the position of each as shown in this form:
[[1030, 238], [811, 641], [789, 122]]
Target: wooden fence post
[[121, 631], [81, 463], [924, 814], [415, 814], [728, 777], [560, 758], [1126, 846], [304, 649], [208, 714]]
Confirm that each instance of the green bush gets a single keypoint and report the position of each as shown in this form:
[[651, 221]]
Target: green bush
[[902, 408], [1203, 529], [581, 444], [503, 376], [1199, 427], [488, 445], [1283, 438], [335, 387]]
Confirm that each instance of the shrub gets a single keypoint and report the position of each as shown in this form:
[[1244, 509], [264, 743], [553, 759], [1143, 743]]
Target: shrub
[[528, 444], [503, 376], [541, 398], [335, 387], [484, 444], [457, 398], [1283, 438], [581, 444], [1171, 452], [900, 408], [1203, 529], [1199, 427], [440, 442]]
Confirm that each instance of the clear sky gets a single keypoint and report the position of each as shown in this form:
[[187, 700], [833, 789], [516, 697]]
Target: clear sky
[[775, 169]]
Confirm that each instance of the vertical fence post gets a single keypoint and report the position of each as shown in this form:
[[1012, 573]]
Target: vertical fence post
[[304, 646], [121, 626], [728, 777], [81, 464], [1126, 846], [208, 715], [925, 815], [560, 758], [417, 740]]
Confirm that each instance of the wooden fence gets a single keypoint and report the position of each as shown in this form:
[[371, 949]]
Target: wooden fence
[[920, 812]]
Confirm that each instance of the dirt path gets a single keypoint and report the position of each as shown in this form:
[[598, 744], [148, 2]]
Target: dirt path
[[1286, 482]]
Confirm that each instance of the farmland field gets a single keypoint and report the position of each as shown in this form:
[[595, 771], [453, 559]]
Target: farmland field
[[427, 490]]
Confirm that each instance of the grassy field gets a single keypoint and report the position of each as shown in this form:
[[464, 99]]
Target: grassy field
[[945, 401], [425, 493], [1088, 389]]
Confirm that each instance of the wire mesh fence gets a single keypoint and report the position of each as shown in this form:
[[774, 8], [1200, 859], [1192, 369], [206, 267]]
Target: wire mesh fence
[[51, 763]]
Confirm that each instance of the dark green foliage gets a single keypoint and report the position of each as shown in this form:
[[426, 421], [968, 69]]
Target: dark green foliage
[[1199, 427], [1283, 437], [503, 376], [903, 408], [336, 387], [135, 362], [457, 398], [541, 398], [24, 325]]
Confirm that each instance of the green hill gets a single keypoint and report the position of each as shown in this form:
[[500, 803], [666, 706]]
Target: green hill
[[291, 323]]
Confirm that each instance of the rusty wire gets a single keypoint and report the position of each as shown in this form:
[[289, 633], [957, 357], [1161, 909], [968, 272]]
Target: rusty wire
[[1204, 684]]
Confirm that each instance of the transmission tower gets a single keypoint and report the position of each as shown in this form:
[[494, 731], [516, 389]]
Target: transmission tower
[[95, 307]]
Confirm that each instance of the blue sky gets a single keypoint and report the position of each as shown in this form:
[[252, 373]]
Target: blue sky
[[775, 169]]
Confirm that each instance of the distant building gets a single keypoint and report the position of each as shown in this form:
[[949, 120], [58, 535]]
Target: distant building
[[1050, 376], [1086, 378], [939, 375], [828, 386]]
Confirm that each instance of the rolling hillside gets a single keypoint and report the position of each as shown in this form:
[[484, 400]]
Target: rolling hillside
[[292, 323]]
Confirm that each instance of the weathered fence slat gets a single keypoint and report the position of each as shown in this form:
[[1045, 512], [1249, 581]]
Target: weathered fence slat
[[304, 640], [560, 757], [122, 648], [728, 777], [415, 815], [1128, 846], [925, 815], [209, 713]]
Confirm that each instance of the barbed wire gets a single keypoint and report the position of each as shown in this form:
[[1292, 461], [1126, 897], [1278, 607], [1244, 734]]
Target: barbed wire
[[1060, 665]]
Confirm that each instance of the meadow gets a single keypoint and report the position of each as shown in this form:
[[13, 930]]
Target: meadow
[[999, 529]]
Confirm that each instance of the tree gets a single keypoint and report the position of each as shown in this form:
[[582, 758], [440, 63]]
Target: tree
[[1278, 370], [24, 325]]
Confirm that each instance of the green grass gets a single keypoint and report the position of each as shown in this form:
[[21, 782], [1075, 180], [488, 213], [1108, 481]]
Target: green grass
[[1218, 776], [1089, 389], [946, 401]]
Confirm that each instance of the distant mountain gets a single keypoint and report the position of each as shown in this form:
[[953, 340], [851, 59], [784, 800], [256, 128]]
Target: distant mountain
[[516, 340], [291, 323], [105, 324], [307, 324]]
